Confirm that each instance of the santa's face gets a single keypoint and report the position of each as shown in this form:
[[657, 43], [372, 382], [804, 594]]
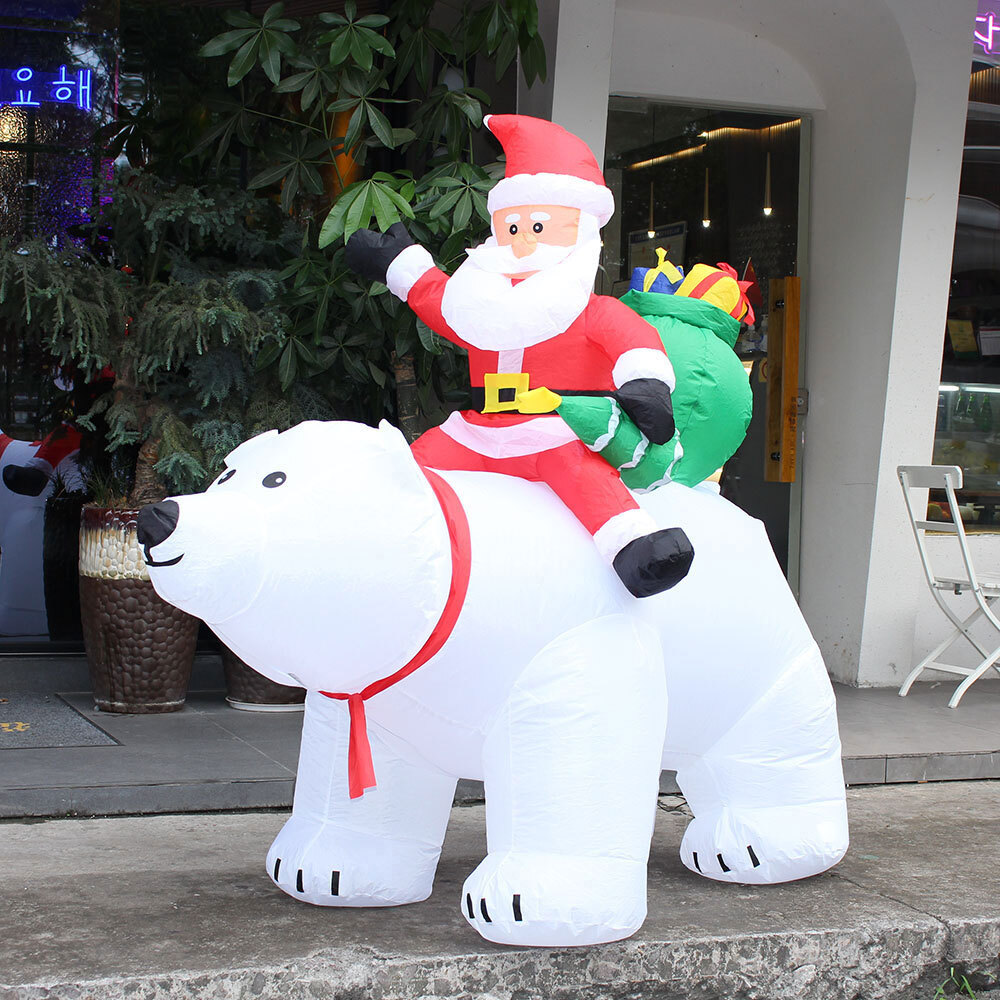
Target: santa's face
[[528, 229], [553, 250]]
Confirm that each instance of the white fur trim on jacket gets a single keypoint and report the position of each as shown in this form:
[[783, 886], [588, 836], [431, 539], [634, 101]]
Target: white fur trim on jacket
[[643, 362], [553, 189], [527, 438], [406, 269], [612, 536]]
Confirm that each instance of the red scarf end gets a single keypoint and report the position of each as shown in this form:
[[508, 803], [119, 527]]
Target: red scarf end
[[360, 766]]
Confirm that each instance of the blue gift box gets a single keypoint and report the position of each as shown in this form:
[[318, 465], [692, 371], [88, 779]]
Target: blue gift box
[[665, 277]]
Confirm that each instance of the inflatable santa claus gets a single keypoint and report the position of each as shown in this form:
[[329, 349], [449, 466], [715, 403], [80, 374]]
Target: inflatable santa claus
[[522, 305]]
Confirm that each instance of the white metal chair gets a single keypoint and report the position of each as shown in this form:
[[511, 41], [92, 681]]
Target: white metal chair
[[984, 587]]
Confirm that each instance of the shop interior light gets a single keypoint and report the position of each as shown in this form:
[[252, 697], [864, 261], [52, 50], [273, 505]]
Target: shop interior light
[[651, 232], [665, 158], [963, 387], [706, 219], [767, 184]]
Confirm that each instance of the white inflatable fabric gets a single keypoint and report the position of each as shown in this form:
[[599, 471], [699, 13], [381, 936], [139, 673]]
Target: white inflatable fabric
[[22, 526], [553, 686]]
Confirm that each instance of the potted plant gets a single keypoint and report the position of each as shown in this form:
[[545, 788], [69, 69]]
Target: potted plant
[[212, 285], [179, 331]]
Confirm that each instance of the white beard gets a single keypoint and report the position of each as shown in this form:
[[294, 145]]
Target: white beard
[[489, 312]]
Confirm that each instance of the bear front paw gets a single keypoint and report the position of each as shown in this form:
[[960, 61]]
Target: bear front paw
[[553, 900], [327, 865]]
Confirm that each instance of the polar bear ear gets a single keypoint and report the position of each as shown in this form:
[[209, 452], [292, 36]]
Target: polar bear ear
[[392, 437]]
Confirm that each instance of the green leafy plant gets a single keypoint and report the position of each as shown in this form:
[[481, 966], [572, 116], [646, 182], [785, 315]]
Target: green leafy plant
[[211, 286], [176, 310], [351, 122]]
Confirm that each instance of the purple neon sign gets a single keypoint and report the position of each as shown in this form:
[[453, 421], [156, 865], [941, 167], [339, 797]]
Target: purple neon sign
[[26, 88], [987, 31]]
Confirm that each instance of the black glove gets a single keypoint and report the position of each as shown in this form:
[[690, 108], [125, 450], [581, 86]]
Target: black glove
[[370, 254], [647, 402]]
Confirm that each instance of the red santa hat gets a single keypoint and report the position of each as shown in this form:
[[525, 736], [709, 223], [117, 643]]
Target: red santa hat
[[546, 165]]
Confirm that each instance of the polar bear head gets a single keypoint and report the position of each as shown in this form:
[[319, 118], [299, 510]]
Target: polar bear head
[[320, 554]]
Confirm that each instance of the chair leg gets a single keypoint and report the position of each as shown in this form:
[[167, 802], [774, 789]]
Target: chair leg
[[960, 632], [973, 677], [904, 689]]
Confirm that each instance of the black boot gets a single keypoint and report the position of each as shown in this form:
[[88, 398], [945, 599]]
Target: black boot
[[655, 562]]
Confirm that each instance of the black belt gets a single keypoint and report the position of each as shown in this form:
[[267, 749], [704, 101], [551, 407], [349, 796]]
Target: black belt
[[509, 395]]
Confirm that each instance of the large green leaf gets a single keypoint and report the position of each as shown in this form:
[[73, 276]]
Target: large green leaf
[[380, 126], [226, 42]]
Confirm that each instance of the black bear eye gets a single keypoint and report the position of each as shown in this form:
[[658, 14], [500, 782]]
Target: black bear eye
[[513, 229], [273, 479], [226, 476], [538, 227]]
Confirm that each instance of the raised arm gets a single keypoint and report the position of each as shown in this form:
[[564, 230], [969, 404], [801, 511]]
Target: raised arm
[[407, 269]]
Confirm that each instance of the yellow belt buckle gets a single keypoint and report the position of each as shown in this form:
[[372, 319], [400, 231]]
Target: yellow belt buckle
[[493, 382]]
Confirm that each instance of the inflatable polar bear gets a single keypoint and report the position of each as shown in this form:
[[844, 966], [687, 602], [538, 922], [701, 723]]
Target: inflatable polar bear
[[325, 557], [22, 523]]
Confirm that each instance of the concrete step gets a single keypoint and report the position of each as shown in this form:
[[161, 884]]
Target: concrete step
[[178, 906]]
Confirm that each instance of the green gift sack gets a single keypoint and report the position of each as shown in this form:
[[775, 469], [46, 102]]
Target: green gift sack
[[712, 399]]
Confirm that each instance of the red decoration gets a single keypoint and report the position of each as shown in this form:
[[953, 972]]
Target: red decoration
[[360, 767]]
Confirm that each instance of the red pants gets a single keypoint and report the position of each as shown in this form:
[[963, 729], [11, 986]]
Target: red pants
[[584, 482]]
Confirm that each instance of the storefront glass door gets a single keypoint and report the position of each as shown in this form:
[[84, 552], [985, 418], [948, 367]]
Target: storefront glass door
[[712, 186]]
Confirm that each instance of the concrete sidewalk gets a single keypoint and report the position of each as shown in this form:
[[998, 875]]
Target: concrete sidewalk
[[178, 906]]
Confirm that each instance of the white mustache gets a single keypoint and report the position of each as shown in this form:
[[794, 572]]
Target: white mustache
[[501, 260]]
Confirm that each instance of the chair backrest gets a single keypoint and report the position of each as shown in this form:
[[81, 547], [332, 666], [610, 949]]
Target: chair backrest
[[949, 479]]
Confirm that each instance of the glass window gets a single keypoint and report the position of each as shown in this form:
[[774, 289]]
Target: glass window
[[968, 417], [57, 81]]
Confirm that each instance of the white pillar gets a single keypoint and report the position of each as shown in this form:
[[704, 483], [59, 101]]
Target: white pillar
[[582, 70], [536, 100], [940, 48]]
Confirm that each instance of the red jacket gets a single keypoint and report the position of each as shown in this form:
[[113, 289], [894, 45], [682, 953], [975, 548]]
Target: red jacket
[[583, 359]]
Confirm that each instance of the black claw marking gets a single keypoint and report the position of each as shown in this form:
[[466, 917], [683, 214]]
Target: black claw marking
[[468, 906], [298, 882], [517, 907], [335, 883], [753, 857], [277, 865], [486, 916], [725, 867], [695, 855]]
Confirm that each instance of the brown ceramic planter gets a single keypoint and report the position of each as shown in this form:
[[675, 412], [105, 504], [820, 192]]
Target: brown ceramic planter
[[140, 649], [253, 692]]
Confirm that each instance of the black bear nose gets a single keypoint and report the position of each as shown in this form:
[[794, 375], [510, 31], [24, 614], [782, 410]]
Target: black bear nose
[[156, 522]]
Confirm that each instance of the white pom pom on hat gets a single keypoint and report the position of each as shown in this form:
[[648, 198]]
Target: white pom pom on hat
[[546, 165]]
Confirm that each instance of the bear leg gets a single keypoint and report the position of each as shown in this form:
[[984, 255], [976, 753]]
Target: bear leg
[[768, 795], [378, 850], [572, 767]]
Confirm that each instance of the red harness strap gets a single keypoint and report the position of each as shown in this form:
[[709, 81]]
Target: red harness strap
[[360, 768]]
